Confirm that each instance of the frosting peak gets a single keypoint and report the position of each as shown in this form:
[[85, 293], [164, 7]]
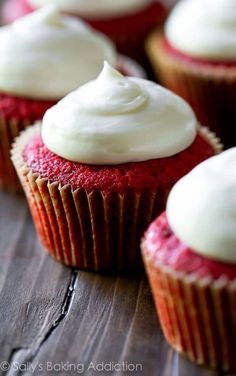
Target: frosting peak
[[201, 208], [116, 119], [111, 93], [204, 28], [57, 54]]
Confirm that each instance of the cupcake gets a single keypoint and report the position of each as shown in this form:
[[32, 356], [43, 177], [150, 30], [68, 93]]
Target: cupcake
[[127, 23], [44, 56], [189, 253], [196, 58], [103, 165]]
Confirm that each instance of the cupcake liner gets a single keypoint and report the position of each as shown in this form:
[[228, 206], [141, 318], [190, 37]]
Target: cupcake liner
[[209, 89], [129, 32], [88, 230], [211, 138], [9, 129], [197, 314]]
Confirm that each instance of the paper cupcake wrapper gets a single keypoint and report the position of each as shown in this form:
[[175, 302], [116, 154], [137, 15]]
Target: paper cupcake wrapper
[[90, 230], [131, 45], [129, 37], [211, 138], [87, 230], [197, 315], [209, 90], [9, 129]]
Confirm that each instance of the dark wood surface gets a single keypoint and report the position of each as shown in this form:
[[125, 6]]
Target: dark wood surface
[[55, 317], [51, 314]]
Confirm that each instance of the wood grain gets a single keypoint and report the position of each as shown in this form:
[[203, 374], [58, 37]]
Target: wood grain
[[50, 313]]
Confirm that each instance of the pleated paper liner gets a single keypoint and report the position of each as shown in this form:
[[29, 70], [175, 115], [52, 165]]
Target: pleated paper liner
[[210, 90], [129, 32], [9, 129], [90, 230], [197, 315]]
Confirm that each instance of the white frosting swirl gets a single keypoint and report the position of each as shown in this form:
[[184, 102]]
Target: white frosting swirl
[[96, 8], [116, 119], [204, 28], [46, 55], [201, 208]]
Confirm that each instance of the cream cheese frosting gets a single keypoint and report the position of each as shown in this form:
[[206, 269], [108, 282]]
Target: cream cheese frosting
[[201, 208], [96, 8], [47, 55], [116, 119], [204, 28]]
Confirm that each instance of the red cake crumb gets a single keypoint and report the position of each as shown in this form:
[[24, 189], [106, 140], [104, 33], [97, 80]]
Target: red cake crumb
[[164, 248], [21, 109], [163, 172], [149, 17], [195, 60]]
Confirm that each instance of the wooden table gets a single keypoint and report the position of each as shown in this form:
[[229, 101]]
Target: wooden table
[[53, 317], [59, 321]]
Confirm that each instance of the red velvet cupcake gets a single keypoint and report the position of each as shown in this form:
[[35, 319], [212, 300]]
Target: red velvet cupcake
[[15, 115], [37, 81], [127, 23], [195, 57], [190, 258], [108, 156]]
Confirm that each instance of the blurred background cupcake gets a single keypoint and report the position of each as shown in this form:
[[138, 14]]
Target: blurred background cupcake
[[196, 58], [44, 56], [126, 22], [102, 170], [190, 258]]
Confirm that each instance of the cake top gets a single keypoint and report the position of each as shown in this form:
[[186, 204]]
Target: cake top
[[138, 176], [45, 55], [204, 29], [96, 8], [201, 208], [116, 119]]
